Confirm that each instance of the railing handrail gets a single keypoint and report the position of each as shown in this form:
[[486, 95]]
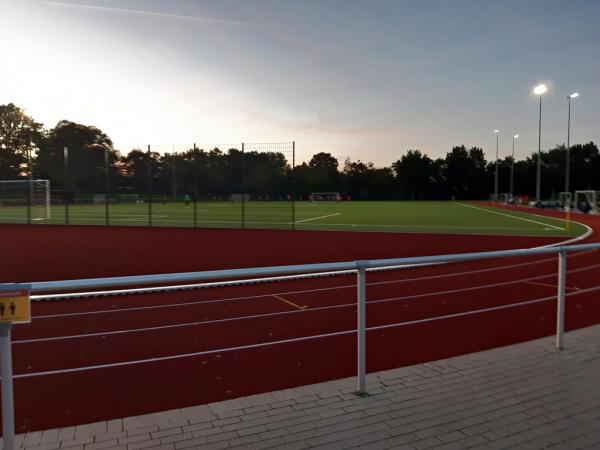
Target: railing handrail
[[182, 277]]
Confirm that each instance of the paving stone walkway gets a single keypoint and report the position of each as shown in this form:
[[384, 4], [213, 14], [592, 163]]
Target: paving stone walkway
[[525, 396]]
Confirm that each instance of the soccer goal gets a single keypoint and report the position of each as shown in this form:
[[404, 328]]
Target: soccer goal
[[587, 201], [27, 193], [325, 197]]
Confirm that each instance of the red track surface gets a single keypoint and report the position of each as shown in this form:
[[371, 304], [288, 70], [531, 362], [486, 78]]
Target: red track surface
[[211, 319]]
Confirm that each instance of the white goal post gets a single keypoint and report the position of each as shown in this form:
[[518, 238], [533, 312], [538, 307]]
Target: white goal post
[[587, 201], [325, 197], [24, 193]]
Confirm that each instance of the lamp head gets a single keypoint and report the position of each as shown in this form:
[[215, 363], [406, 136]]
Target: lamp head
[[540, 89], [573, 95], [516, 136], [496, 131]]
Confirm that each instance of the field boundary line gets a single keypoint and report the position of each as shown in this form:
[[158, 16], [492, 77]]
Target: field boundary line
[[298, 339], [511, 216], [317, 218]]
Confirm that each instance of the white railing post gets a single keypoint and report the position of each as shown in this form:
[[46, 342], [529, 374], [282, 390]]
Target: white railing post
[[361, 388], [560, 303], [8, 408]]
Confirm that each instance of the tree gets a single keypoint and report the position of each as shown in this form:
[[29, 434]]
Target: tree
[[17, 133], [465, 173], [87, 146], [414, 173]]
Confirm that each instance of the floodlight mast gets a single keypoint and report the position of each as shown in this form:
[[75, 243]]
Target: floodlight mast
[[497, 132], [512, 166], [568, 161], [539, 90]]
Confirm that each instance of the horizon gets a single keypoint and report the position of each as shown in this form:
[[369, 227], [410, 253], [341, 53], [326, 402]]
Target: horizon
[[360, 80]]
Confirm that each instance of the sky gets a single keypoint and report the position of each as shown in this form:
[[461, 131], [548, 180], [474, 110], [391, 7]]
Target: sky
[[365, 79]]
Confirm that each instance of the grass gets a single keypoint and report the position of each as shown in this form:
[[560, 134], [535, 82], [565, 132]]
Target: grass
[[420, 217]]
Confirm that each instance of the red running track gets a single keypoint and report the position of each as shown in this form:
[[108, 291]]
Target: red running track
[[73, 334]]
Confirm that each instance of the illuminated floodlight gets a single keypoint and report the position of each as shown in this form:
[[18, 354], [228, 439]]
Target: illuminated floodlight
[[574, 95], [496, 131], [540, 89], [516, 136]]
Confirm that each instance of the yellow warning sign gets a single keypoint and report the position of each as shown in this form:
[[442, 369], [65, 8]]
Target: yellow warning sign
[[14, 304]]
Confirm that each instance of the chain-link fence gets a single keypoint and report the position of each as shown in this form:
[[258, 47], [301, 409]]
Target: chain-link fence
[[245, 185]]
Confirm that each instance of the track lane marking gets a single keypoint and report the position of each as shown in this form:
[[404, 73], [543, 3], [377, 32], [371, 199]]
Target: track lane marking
[[511, 216], [318, 308], [279, 297], [317, 218], [297, 339], [551, 285], [329, 288]]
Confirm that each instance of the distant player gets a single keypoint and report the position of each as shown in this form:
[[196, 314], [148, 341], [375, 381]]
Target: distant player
[[187, 199]]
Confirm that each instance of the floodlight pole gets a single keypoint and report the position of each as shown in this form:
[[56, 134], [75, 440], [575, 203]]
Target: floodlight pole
[[568, 161], [496, 175], [538, 182]]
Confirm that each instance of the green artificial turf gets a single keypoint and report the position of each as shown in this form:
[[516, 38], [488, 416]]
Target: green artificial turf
[[390, 216]]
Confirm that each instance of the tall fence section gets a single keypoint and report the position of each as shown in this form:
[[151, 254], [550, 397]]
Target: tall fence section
[[218, 185]]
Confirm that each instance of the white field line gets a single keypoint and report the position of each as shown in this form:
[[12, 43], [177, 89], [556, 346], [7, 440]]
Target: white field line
[[295, 292], [317, 218], [320, 308], [511, 216], [298, 339], [423, 226]]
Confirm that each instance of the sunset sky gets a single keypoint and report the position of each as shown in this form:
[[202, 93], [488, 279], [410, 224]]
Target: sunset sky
[[364, 79]]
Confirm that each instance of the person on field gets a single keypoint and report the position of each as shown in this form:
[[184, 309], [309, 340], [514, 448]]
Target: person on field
[[187, 199]]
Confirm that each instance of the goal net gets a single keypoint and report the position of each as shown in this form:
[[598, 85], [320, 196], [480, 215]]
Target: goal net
[[587, 201], [27, 193], [325, 197]]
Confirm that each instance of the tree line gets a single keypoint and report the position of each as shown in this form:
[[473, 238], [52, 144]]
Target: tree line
[[95, 166]]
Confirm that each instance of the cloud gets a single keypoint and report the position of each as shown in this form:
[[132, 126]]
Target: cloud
[[140, 12]]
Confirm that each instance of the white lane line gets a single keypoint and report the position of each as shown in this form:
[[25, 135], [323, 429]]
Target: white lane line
[[317, 218], [298, 339], [300, 309], [303, 291], [511, 216]]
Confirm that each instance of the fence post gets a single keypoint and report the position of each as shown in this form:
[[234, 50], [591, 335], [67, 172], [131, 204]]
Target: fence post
[[8, 412], [560, 304], [293, 185], [243, 189], [195, 176], [106, 186], [361, 388], [66, 182], [149, 187]]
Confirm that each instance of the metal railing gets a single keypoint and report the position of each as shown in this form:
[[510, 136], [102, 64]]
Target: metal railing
[[42, 289], [45, 290]]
